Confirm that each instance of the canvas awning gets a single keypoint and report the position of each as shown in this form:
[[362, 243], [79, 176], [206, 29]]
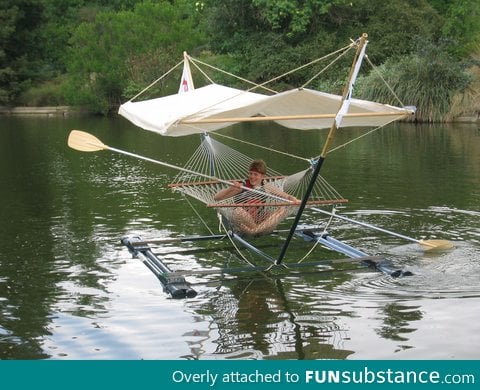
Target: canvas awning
[[214, 107]]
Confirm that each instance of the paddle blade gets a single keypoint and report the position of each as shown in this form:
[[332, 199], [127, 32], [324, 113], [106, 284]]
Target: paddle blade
[[429, 245], [84, 142]]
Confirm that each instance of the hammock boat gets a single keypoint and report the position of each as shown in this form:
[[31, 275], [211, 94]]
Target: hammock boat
[[215, 166]]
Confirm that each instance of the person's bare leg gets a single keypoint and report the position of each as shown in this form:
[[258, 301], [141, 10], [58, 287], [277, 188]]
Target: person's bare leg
[[271, 222], [247, 224], [244, 221]]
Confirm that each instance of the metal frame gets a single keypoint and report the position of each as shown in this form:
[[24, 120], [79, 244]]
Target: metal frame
[[175, 284]]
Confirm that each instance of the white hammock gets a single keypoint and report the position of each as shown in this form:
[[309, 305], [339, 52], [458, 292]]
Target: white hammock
[[253, 211]]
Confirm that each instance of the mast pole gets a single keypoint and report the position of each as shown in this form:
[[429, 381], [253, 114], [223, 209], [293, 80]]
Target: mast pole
[[347, 93]]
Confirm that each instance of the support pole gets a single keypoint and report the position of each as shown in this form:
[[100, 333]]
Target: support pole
[[347, 93]]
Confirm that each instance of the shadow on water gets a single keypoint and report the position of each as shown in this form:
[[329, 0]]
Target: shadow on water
[[68, 290], [314, 316], [257, 320]]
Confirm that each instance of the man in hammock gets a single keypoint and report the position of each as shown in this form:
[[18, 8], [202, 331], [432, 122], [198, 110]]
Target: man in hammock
[[256, 219]]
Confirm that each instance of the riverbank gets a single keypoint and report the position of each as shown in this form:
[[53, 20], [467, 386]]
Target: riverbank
[[71, 110], [43, 111], [468, 119]]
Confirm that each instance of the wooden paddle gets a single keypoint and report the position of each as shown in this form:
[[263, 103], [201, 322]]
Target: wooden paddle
[[86, 142], [427, 245], [435, 244]]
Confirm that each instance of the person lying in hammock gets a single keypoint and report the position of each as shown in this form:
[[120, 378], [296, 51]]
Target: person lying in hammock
[[256, 219]]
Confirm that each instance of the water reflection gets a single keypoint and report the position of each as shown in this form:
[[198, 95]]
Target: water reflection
[[256, 320], [69, 290], [397, 321]]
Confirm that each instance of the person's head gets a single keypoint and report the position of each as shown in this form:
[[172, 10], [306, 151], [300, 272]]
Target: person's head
[[257, 171], [258, 166]]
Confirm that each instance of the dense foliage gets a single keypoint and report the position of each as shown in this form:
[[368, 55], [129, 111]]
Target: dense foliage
[[101, 52], [441, 79], [125, 50]]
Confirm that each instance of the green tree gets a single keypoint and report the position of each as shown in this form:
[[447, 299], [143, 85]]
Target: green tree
[[20, 46], [295, 17], [7, 27], [110, 49], [462, 25], [34, 36], [269, 37], [122, 48], [393, 27]]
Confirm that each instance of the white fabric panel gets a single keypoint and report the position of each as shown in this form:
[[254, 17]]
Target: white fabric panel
[[310, 102], [164, 115]]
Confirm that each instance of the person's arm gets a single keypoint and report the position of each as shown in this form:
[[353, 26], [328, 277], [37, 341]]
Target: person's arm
[[228, 192], [278, 192]]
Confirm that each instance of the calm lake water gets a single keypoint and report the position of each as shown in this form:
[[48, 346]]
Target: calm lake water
[[70, 290]]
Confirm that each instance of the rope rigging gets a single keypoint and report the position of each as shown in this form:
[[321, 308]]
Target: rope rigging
[[214, 166], [268, 205]]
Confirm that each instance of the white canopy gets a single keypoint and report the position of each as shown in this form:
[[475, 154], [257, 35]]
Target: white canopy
[[214, 107], [164, 115], [317, 110]]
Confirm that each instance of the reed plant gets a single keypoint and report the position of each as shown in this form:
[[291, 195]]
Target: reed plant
[[428, 79], [467, 102], [48, 93]]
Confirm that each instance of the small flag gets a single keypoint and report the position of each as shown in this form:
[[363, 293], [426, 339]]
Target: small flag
[[186, 82]]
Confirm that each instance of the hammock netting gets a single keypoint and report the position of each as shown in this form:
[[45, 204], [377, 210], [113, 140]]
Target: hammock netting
[[215, 166], [254, 211]]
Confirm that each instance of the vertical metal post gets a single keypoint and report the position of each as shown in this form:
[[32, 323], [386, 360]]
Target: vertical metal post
[[347, 92]]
